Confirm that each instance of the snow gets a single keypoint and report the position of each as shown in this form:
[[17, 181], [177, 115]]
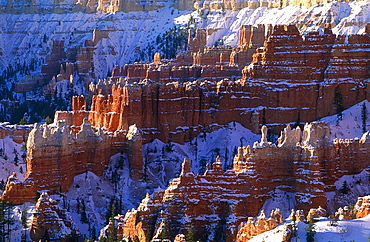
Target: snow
[[165, 159], [129, 32], [285, 201], [21, 39], [350, 126], [126, 33], [351, 230], [17, 229], [7, 162]]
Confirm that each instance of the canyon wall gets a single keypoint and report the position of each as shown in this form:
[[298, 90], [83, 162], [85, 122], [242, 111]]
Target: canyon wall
[[50, 222], [184, 100], [215, 203], [89, 6], [18, 133], [330, 72], [58, 152], [237, 5], [111, 6]]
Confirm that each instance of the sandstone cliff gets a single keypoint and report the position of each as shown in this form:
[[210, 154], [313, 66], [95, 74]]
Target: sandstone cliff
[[50, 222], [61, 151], [90, 6], [362, 207], [214, 203]]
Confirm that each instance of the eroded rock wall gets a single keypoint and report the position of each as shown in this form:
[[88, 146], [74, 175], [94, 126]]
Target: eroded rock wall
[[218, 199], [57, 153]]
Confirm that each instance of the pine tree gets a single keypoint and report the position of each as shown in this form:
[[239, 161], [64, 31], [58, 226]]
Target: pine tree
[[112, 231], [48, 120], [83, 213], [24, 221], [364, 117], [294, 226], [345, 189], [23, 121], [338, 101], [310, 232], [5, 221], [190, 236], [24, 216]]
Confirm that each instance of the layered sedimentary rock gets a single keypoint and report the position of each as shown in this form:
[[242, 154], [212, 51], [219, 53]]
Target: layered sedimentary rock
[[62, 151], [50, 222], [288, 67], [90, 6], [181, 101], [252, 228], [216, 201], [18, 133], [287, 55], [362, 207], [237, 5]]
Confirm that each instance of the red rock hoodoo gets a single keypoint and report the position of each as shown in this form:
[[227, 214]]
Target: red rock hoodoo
[[218, 199], [175, 101], [50, 222]]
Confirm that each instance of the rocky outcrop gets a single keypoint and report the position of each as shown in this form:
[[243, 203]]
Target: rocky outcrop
[[344, 213], [51, 223], [316, 213], [209, 91], [289, 56], [216, 200], [237, 5], [252, 228], [89, 6], [362, 207], [18, 133], [58, 152]]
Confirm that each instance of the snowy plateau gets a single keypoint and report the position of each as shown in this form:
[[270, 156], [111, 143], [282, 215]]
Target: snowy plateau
[[27, 41]]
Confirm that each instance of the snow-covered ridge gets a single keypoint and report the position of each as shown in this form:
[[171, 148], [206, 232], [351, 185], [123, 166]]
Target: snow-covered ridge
[[29, 36]]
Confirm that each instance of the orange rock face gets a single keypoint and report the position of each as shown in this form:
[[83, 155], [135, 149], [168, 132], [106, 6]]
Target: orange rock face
[[180, 101], [287, 55], [18, 133], [56, 153], [362, 207], [262, 224], [218, 198], [50, 222]]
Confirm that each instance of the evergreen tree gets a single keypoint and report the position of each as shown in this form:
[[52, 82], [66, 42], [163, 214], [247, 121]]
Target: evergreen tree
[[310, 232], [5, 221], [264, 116], [338, 101], [364, 117], [23, 121], [48, 120], [83, 213], [112, 231], [24, 217], [294, 226], [164, 233], [345, 189], [190, 236]]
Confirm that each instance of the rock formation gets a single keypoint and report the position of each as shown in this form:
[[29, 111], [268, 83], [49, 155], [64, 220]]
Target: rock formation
[[262, 224], [58, 152], [218, 198], [285, 63], [90, 6], [344, 213], [316, 213], [182, 100], [18, 133], [51, 223], [362, 207]]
